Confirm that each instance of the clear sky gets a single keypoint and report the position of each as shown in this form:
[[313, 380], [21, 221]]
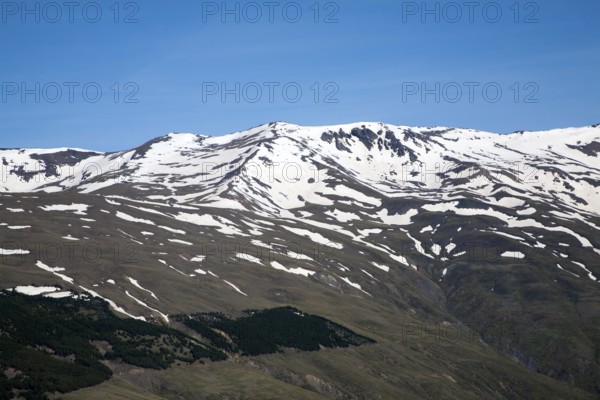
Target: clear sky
[[219, 67]]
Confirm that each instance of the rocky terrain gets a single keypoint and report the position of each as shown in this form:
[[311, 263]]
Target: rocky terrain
[[470, 258]]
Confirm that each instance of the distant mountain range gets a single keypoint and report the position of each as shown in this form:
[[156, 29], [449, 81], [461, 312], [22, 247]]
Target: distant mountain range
[[471, 258]]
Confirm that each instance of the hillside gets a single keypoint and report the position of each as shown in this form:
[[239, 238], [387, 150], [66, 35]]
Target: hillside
[[470, 258]]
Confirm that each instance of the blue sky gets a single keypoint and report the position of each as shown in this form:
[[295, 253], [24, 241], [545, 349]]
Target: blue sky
[[162, 66]]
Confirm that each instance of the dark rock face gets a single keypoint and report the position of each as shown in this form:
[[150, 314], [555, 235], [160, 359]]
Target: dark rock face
[[52, 161], [340, 139], [591, 149], [68, 157], [366, 136], [370, 140], [49, 165], [141, 151]]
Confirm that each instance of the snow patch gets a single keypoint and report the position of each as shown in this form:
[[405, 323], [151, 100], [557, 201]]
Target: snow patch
[[166, 228], [69, 237], [513, 254], [248, 257], [12, 252], [112, 304], [381, 267], [79, 209], [296, 271], [129, 218], [35, 290], [235, 287], [137, 284], [180, 242], [315, 237]]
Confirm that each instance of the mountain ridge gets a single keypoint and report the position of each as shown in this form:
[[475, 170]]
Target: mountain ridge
[[373, 226], [269, 124], [434, 157]]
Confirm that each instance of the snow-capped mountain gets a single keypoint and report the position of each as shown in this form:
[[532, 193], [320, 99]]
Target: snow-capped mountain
[[432, 223], [261, 168]]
